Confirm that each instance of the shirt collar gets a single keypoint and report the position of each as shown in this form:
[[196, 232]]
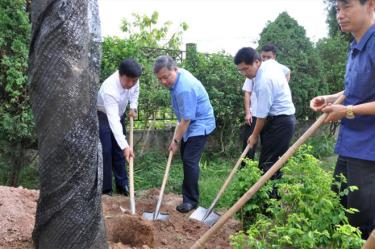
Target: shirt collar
[[362, 42], [118, 83], [175, 83]]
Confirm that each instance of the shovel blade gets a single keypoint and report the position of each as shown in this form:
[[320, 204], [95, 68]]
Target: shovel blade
[[154, 216], [200, 213]]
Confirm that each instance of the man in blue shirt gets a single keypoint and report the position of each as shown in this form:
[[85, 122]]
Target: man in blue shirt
[[193, 109], [356, 140], [275, 110]]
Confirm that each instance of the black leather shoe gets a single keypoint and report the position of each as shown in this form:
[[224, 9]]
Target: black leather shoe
[[109, 193], [123, 190], [185, 207]]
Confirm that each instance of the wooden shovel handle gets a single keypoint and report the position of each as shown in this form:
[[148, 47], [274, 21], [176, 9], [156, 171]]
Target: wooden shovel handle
[[227, 181], [370, 242], [249, 194], [131, 169], [165, 178]]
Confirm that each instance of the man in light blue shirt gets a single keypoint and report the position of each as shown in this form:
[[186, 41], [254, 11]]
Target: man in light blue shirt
[[275, 110], [193, 109]]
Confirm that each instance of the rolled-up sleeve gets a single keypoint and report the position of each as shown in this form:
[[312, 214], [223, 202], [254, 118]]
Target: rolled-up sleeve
[[187, 105], [134, 96]]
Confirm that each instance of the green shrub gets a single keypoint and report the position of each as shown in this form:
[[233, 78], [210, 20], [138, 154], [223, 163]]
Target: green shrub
[[307, 215]]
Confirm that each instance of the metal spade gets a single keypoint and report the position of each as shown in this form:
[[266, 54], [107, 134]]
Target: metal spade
[[208, 216]]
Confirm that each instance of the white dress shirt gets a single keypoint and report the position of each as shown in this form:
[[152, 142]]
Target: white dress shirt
[[272, 90], [112, 100]]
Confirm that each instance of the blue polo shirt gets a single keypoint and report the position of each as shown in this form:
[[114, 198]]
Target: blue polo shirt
[[190, 101], [356, 137]]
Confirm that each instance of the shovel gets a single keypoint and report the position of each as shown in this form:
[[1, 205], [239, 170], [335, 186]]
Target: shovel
[[207, 216], [370, 243], [157, 215], [131, 170], [251, 192]]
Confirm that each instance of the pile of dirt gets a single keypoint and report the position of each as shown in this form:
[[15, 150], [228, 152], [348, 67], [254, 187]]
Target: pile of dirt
[[124, 231], [17, 212]]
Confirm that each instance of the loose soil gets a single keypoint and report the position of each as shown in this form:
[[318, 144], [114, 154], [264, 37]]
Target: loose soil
[[124, 231]]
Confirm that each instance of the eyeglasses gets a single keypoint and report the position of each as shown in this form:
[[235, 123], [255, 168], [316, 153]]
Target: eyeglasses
[[164, 77], [243, 70]]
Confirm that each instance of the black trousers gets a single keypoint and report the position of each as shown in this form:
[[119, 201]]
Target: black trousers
[[248, 130], [360, 173], [113, 156], [191, 152], [275, 136]]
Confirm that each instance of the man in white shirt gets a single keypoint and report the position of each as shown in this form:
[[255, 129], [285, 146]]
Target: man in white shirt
[[269, 53], [275, 110], [250, 100], [114, 95]]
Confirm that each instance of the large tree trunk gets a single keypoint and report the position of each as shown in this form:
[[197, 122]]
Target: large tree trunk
[[64, 74]]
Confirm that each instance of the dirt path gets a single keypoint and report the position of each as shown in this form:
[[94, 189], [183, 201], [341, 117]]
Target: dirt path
[[124, 231]]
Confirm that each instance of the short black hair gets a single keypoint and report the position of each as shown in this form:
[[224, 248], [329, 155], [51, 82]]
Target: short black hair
[[362, 2], [246, 55], [269, 48], [130, 68]]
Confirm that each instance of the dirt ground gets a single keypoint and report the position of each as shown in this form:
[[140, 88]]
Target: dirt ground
[[124, 231]]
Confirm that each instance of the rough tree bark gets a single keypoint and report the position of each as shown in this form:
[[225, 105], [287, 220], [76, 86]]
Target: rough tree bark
[[64, 74]]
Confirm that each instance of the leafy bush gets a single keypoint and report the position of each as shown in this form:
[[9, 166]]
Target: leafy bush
[[245, 178], [307, 215], [16, 120], [321, 145], [333, 53], [219, 75]]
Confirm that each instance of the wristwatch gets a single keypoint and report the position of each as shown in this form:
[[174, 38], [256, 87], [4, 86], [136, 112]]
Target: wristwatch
[[349, 112], [176, 141]]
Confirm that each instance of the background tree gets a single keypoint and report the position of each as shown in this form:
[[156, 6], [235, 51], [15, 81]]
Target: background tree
[[144, 39], [64, 75], [219, 75], [16, 121], [296, 51], [333, 52]]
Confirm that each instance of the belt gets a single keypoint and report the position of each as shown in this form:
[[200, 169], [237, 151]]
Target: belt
[[278, 116]]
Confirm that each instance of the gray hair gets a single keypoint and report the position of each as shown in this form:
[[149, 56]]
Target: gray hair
[[164, 61]]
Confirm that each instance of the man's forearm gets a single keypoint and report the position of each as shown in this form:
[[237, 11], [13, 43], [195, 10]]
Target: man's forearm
[[261, 122], [364, 109], [181, 129]]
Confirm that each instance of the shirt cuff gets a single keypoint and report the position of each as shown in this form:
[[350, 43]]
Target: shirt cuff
[[133, 106], [124, 145]]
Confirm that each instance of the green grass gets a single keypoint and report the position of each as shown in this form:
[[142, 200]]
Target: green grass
[[149, 172], [213, 175]]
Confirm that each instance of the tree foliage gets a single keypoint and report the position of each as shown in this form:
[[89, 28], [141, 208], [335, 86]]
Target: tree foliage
[[333, 52], [16, 122], [296, 51], [145, 39], [219, 75]]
